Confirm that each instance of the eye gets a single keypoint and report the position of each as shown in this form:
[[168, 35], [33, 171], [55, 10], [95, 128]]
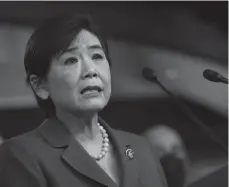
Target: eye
[[70, 61], [97, 56]]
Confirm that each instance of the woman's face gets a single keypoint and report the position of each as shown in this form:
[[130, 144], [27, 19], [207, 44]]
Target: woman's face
[[79, 80]]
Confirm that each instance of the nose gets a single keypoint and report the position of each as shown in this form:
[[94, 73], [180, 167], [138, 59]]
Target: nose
[[89, 70], [90, 73]]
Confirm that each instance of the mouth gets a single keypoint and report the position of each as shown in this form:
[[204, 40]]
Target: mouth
[[91, 90]]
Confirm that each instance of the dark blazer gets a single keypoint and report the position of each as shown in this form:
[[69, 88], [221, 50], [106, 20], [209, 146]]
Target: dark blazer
[[50, 157]]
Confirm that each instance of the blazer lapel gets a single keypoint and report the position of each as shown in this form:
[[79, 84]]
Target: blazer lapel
[[128, 164], [80, 160], [74, 155]]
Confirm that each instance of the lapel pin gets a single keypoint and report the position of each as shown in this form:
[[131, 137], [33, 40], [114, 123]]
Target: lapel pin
[[129, 154]]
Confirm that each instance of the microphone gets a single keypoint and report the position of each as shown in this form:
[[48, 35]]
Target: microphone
[[151, 76], [214, 76]]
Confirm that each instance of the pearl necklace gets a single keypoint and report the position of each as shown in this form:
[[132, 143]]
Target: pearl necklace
[[105, 145]]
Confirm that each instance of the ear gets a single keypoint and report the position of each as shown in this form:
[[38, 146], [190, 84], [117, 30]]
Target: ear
[[39, 86]]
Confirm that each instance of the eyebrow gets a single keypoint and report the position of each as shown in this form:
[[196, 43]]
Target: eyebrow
[[90, 47]]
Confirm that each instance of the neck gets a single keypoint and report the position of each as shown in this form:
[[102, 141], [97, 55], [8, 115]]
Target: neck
[[82, 127]]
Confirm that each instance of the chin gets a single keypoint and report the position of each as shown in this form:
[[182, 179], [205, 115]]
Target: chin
[[93, 106]]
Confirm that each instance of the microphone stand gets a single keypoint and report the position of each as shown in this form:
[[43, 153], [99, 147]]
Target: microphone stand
[[194, 118], [224, 80]]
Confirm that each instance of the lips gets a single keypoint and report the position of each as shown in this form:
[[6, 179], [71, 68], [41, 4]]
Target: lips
[[91, 89]]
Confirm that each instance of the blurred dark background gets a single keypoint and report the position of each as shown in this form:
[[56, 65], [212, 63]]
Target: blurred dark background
[[177, 39]]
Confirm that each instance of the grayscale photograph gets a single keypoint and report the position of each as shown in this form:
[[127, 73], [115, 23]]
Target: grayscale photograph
[[113, 94]]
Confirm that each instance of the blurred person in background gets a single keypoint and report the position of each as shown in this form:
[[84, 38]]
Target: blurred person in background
[[68, 68], [1, 139], [172, 153]]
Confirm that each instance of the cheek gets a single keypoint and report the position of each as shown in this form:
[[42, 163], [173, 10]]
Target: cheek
[[63, 82], [107, 72], [107, 82]]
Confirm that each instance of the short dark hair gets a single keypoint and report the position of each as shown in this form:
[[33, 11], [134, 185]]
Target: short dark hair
[[51, 39]]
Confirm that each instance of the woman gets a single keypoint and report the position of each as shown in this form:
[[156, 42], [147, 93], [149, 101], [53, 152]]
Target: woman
[[68, 68]]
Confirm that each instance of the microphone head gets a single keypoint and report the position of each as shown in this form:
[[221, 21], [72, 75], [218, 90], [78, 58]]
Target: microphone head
[[211, 75], [149, 74]]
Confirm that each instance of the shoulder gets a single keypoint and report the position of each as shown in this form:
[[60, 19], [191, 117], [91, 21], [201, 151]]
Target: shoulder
[[20, 144], [147, 156], [18, 162], [17, 151], [140, 144], [21, 152], [138, 140], [129, 135]]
